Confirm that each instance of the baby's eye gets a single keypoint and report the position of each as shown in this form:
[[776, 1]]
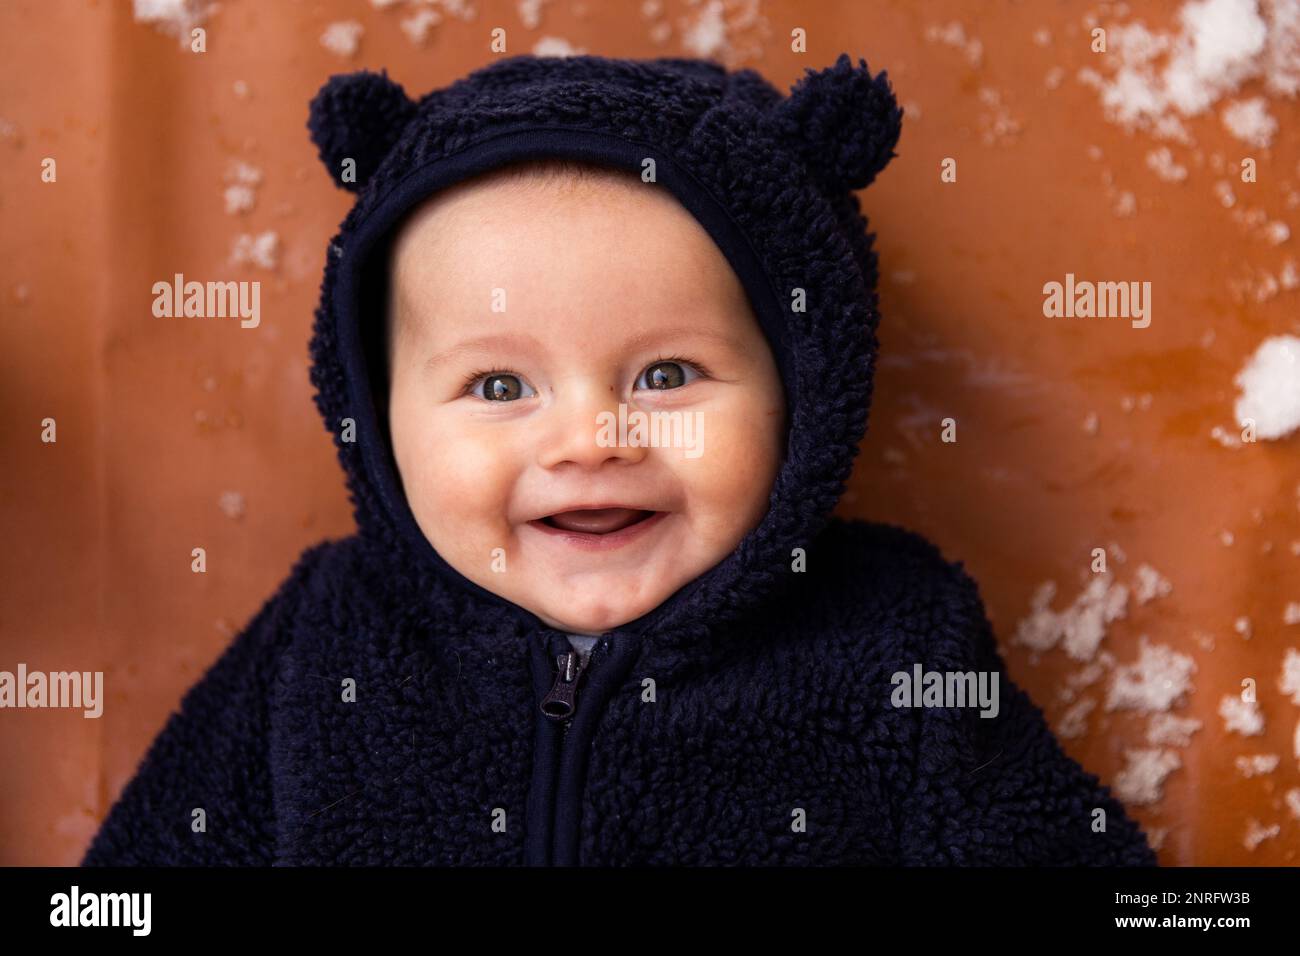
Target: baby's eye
[[667, 374], [501, 387]]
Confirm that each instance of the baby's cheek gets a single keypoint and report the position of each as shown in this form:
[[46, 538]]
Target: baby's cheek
[[464, 492], [731, 480]]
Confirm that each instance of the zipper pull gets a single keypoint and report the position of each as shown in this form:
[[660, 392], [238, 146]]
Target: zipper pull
[[563, 697]]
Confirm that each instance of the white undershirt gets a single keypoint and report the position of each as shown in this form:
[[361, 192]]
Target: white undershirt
[[583, 643]]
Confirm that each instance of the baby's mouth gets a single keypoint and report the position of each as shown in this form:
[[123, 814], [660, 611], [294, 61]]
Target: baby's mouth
[[597, 520]]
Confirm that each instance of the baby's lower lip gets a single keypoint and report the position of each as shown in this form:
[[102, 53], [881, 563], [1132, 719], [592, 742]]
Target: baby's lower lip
[[601, 542]]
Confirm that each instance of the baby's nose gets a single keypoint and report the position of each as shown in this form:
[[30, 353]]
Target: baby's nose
[[587, 426]]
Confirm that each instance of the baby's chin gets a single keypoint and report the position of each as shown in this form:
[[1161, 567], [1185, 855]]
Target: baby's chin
[[589, 608]]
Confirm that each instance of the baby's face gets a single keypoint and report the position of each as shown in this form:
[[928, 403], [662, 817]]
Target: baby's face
[[523, 315]]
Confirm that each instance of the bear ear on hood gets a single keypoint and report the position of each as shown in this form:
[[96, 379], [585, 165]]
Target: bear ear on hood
[[355, 119], [843, 123]]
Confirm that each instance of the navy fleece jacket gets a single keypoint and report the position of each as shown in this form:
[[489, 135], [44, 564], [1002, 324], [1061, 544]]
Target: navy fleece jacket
[[749, 719]]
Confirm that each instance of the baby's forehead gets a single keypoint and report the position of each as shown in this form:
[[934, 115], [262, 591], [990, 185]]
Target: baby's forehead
[[605, 233], [527, 191]]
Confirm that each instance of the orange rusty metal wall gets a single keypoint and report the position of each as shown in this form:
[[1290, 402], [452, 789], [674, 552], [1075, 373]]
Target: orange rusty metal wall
[[1071, 434]]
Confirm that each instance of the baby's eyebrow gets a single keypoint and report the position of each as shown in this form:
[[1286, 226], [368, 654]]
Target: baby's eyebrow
[[486, 343], [673, 335], [521, 341]]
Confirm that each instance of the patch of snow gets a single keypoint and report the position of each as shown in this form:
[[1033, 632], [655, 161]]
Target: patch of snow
[[1171, 730], [1250, 122], [530, 12], [1155, 682], [1257, 764], [954, 35], [343, 38], [1141, 782], [1074, 722], [231, 504], [173, 17], [261, 250], [1082, 626], [1290, 682], [1257, 833], [1241, 716], [556, 46], [418, 24], [242, 180], [1270, 384], [1158, 78], [706, 35], [1150, 585], [1161, 162]]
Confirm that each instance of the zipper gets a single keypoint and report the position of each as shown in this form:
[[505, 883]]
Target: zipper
[[561, 703], [552, 839]]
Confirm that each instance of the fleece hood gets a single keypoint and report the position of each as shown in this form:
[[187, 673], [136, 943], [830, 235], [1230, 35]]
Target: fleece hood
[[770, 177]]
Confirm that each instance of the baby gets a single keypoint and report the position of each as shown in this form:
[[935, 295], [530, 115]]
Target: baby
[[612, 295], [596, 348]]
